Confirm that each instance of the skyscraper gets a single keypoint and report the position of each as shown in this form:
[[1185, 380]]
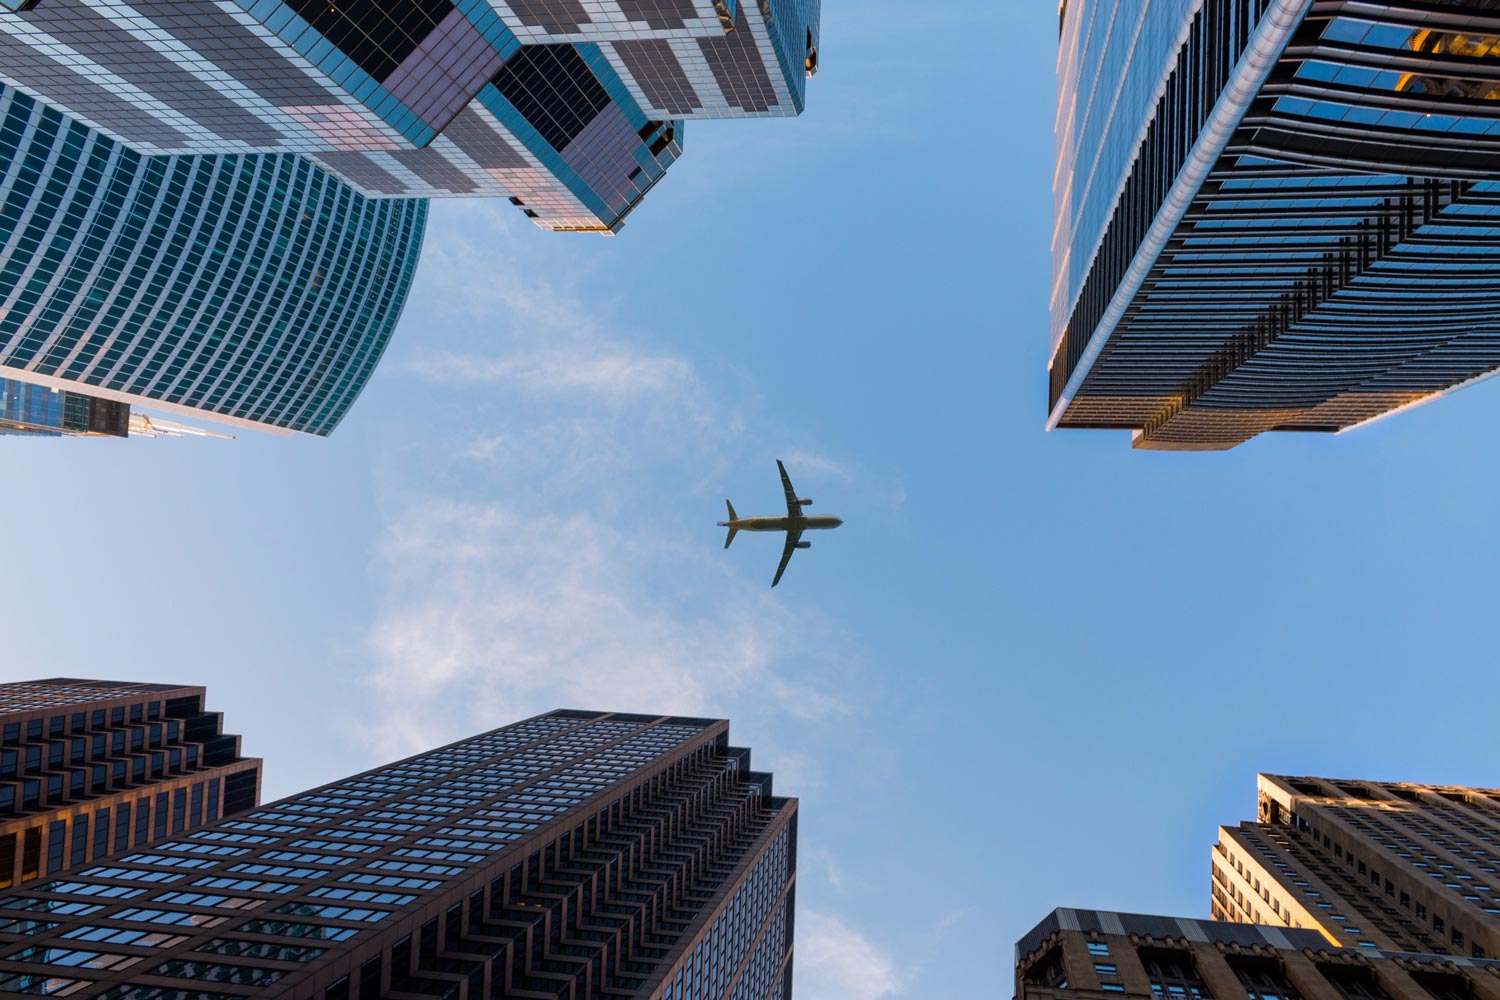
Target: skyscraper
[[1098, 955], [252, 288], [575, 854], [38, 410], [572, 109], [1369, 864], [89, 769], [1271, 214]]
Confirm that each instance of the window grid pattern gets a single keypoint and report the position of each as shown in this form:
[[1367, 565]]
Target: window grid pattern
[[249, 287], [1339, 263], [369, 90], [90, 769], [575, 848]]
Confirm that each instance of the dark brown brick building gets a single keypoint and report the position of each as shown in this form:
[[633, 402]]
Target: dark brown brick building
[[90, 768], [572, 855]]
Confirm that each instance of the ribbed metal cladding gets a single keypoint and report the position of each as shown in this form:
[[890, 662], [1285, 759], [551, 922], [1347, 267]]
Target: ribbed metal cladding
[[254, 288], [1340, 260]]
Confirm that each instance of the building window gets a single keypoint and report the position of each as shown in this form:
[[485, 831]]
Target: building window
[[1173, 974], [1262, 978], [1098, 948], [1353, 982], [1049, 970], [1443, 986]]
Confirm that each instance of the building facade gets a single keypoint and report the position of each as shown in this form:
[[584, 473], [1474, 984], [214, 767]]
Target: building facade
[[575, 854], [90, 769], [1271, 215], [573, 109], [1370, 865], [1095, 955], [254, 289], [37, 411]]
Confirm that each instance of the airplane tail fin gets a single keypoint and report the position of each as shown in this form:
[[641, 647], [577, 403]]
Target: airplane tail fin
[[732, 530]]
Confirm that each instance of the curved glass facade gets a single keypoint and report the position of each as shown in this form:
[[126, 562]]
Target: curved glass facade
[[257, 288]]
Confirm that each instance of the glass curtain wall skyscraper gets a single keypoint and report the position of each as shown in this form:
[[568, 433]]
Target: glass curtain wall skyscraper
[[1271, 214], [575, 854], [216, 205], [572, 110], [39, 411], [255, 289], [90, 769]]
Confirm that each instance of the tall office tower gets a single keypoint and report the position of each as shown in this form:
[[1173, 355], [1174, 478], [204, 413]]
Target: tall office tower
[[576, 854], [36, 410], [1272, 214], [90, 769], [571, 108], [1094, 955], [253, 289], [1369, 864]]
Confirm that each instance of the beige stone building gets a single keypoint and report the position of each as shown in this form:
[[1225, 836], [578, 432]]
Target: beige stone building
[[1370, 865], [1094, 955]]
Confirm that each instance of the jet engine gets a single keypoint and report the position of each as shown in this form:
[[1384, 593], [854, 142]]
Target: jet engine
[[804, 501], [804, 545]]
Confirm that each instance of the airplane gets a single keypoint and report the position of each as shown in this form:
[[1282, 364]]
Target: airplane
[[794, 524]]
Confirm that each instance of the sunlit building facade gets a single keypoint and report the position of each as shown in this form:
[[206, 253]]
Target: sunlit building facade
[[573, 109], [1272, 215], [575, 854], [255, 289], [1368, 864], [1101, 955], [90, 769]]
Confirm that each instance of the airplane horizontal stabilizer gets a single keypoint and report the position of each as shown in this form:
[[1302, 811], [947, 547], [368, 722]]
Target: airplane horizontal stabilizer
[[732, 517]]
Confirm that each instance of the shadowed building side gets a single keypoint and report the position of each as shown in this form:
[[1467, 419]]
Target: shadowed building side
[[1304, 237]]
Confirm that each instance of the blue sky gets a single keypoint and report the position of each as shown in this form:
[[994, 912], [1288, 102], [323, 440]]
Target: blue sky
[[1031, 670]]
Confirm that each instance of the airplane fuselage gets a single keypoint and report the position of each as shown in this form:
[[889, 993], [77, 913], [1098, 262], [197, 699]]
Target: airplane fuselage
[[811, 523]]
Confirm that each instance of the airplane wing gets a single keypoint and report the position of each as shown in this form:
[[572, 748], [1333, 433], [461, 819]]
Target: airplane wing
[[793, 508], [792, 537]]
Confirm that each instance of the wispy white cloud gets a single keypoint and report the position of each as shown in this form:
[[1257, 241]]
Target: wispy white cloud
[[494, 615], [820, 465], [618, 374], [837, 962], [553, 555], [830, 867]]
